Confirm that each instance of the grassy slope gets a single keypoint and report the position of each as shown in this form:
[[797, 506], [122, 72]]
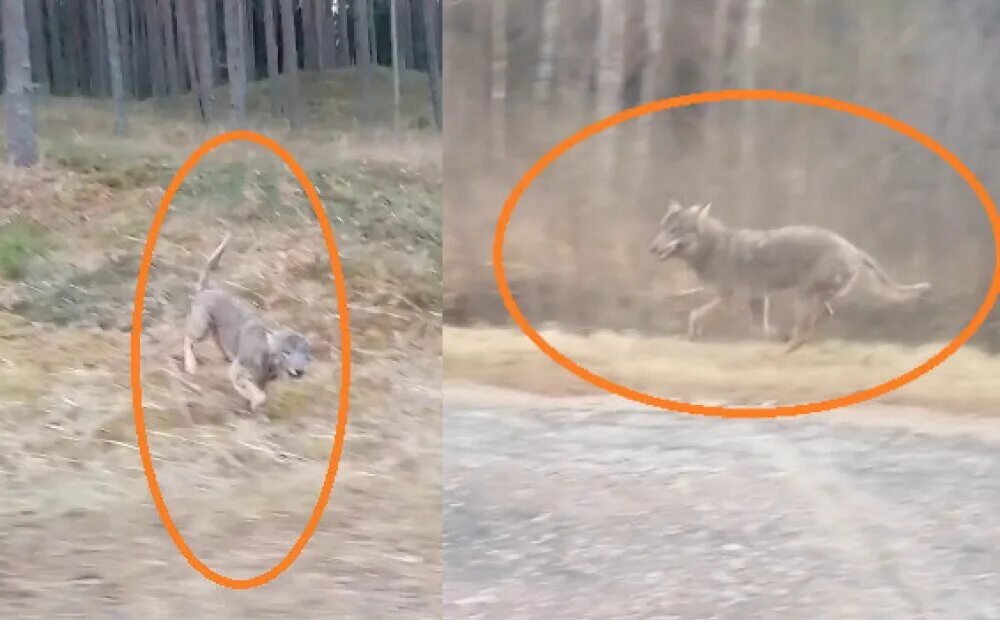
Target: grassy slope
[[240, 489]]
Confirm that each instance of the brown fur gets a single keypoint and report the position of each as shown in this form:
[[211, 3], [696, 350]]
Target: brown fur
[[256, 352], [815, 264]]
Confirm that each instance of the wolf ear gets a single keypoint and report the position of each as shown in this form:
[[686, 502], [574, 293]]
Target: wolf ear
[[703, 213], [672, 210]]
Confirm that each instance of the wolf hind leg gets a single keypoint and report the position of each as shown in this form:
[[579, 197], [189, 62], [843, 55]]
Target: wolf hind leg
[[808, 311]]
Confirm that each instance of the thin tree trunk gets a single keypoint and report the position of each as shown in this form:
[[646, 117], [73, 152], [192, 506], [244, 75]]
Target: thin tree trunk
[[364, 57], [59, 79], [115, 67], [328, 44], [235, 30], [309, 42], [319, 12], [405, 18], [96, 61], [216, 50], [433, 64], [394, 30], [343, 38], [293, 110], [154, 34], [271, 43], [187, 41], [248, 42], [166, 19], [22, 148], [125, 36], [206, 70], [373, 38], [36, 39], [748, 128]]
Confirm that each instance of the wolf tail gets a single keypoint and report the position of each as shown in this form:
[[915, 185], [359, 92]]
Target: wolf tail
[[212, 263], [889, 288]]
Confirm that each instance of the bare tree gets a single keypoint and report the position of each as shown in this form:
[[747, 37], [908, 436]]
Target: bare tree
[[293, 108], [235, 31], [363, 57], [115, 67], [22, 148], [271, 45], [433, 62]]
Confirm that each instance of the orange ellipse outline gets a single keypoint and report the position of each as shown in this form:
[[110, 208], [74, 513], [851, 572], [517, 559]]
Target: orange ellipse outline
[[345, 373], [737, 95]]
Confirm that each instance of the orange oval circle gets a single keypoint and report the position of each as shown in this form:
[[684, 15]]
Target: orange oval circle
[[345, 370], [736, 95]]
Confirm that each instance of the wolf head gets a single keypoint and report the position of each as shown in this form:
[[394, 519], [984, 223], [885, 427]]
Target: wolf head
[[680, 230], [289, 352]]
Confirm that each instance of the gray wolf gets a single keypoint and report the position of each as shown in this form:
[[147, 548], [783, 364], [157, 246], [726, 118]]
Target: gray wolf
[[816, 264], [257, 352]]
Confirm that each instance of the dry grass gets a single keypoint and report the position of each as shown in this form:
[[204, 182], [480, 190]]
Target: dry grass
[[240, 489], [738, 373]]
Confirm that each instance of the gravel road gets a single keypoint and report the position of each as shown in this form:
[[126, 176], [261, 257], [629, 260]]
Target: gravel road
[[602, 508]]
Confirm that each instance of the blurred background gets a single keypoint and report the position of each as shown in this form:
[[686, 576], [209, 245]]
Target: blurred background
[[104, 101], [523, 75]]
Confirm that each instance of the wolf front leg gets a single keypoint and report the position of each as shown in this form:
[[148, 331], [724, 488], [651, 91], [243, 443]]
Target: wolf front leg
[[698, 315]]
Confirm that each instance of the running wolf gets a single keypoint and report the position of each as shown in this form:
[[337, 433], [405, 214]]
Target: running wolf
[[258, 352], [815, 264]]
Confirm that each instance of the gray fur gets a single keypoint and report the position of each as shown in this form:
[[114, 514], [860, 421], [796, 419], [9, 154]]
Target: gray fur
[[256, 352], [815, 264]]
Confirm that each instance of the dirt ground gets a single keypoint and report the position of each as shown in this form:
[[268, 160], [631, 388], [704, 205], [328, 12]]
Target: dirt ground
[[594, 507]]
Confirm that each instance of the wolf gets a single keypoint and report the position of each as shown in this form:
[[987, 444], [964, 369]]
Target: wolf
[[257, 352], [815, 264]]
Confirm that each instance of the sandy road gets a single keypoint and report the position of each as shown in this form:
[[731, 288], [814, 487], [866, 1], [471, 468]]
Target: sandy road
[[600, 508]]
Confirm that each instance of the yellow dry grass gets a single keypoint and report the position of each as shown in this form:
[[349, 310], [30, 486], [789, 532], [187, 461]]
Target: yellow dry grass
[[739, 373]]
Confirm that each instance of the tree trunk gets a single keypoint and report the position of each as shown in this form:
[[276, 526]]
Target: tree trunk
[[184, 24], [154, 34], [36, 40], [343, 38], [364, 57], [125, 36], [404, 16], [293, 110], [96, 60], [328, 44], [309, 42], [372, 38], [394, 30], [22, 148], [206, 70], [59, 77], [235, 31], [248, 42], [271, 43], [320, 10], [748, 124], [433, 64], [166, 19], [216, 50], [115, 66]]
